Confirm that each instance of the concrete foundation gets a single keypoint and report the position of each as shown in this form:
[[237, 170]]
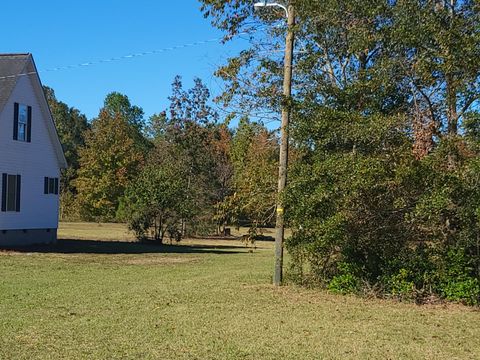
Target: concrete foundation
[[27, 237]]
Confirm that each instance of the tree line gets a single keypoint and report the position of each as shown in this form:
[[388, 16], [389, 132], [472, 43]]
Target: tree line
[[180, 172]]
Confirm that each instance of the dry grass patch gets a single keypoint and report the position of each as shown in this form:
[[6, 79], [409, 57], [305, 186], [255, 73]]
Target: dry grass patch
[[94, 231], [159, 260]]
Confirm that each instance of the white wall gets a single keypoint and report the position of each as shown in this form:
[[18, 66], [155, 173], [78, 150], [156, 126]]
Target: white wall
[[33, 161]]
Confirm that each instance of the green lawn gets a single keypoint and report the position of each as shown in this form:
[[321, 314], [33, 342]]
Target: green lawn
[[205, 299]]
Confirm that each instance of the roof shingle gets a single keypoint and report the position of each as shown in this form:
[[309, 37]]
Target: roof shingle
[[11, 65]]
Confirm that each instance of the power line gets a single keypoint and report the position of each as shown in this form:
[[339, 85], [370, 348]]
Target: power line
[[117, 58], [135, 55], [131, 56], [113, 59]]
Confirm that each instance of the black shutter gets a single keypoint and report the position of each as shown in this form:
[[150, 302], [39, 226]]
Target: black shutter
[[29, 125], [45, 185], [15, 121], [19, 182], [56, 186], [4, 192]]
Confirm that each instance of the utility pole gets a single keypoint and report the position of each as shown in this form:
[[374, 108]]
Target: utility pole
[[283, 161]]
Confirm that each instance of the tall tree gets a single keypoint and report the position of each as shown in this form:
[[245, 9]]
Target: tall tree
[[109, 160], [190, 124], [223, 173], [254, 154]]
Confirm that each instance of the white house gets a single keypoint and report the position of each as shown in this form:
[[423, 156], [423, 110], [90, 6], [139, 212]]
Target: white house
[[31, 156]]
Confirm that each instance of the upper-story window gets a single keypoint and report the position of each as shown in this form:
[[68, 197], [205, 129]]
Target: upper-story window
[[22, 123]]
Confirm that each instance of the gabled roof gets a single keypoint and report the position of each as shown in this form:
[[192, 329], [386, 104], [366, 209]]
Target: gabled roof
[[12, 67]]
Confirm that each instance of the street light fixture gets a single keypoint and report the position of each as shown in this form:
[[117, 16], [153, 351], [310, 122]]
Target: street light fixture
[[283, 161], [259, 5]]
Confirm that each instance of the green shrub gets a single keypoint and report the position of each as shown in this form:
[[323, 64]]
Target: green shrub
[[155, 203], [346, 282], [457, 281], [409, 227], [466, 291], [343, 284], [401, 286]]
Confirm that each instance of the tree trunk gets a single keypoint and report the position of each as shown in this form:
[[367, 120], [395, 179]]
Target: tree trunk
[[452, 115]]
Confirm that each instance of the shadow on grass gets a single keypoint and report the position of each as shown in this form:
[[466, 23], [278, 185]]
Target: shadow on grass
[[75, 246]]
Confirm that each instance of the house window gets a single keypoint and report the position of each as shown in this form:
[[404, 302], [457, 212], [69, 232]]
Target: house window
[[50, 185], [11, 186], [22, 123]]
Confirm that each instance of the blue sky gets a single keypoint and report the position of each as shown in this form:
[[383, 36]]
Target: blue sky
[[62, 33]]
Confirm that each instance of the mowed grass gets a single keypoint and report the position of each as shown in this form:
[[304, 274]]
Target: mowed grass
[[101, 298]]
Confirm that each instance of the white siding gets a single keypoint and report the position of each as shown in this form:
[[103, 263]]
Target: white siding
[[33, 161]]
